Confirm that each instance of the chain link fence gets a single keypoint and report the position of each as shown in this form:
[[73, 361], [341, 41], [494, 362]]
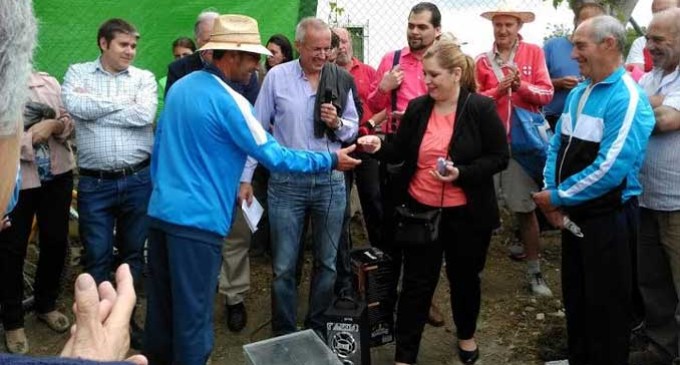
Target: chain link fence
[[379, 26]]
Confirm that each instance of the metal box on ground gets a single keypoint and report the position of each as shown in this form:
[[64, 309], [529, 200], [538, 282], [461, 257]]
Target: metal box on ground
[[299, 348], [347, 331], [374, 283]]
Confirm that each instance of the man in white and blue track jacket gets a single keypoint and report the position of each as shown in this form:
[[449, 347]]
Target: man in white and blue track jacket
[[591, 176], [204, 135]]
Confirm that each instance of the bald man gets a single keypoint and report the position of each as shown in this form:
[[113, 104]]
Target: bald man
[[637, 55]]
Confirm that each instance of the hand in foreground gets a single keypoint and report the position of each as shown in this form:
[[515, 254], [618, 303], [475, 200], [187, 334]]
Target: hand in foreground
[[245, 192], [102, 329], [567, 82], [452, 173], [345, 162], [370, 143]]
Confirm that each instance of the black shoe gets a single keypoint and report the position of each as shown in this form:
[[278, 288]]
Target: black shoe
[[237, 317], [136, 336], [468, 357]]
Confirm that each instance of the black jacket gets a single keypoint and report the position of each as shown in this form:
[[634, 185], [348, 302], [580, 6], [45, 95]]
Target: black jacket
[[338, 82], [479, 149]]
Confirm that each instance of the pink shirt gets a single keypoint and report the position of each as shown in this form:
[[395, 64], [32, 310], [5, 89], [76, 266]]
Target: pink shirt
[[411, 87], [535, 88], [424, 188], [45, 89], [363, 77]]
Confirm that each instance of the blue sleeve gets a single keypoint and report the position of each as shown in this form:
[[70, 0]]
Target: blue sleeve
[[257, 143], [551, 161], [626, 130]]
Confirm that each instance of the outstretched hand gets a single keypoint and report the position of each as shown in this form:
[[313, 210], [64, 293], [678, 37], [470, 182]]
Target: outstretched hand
[[102, 329], [370, 143], [345, 161]]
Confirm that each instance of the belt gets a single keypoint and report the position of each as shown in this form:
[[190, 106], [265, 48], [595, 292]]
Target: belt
[[114, 174]]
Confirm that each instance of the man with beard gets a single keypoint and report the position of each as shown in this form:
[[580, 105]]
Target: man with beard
[[399, 79], [659, 242]]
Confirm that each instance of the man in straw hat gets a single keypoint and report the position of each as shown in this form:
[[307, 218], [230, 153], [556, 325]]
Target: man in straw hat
[[203, 138], [515, 75]]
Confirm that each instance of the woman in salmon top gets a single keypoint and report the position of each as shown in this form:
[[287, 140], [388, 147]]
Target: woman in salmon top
[[453, 122]]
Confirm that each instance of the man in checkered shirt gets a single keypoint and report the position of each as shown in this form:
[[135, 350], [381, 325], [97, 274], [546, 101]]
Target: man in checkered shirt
[[113, 105]]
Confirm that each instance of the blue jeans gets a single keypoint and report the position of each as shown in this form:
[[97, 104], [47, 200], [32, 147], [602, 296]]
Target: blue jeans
[[291, 196], [103, 203]]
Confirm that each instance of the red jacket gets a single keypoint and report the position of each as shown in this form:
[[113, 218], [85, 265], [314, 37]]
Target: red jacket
[[535, 88]]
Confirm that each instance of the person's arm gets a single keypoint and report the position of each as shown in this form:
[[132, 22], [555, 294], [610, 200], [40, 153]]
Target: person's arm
[[495, 153], [377, 99], [81, 102], [627, 127], [350, 120], [667, 119], [636, 53], [487, 82], [395, 150], [538, 91], [256, 142], [140, 111], [549, 181]]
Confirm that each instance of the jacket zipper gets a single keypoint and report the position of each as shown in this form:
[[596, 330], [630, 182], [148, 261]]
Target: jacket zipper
[[581, 105]]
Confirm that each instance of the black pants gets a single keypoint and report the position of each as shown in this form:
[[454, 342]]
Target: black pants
[[597, 286], [50, 203], [464, 248], [368, 186], [343, 264]]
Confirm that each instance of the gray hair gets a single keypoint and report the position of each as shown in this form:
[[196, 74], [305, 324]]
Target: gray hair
[[208, 15], [18, 29], [305, 24], [604, 26]]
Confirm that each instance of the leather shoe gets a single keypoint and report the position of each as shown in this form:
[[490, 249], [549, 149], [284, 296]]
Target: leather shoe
[[435, 317], [237, 317], [468, 357]]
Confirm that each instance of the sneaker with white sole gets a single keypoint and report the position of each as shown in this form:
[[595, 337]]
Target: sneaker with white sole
[[538, 285]]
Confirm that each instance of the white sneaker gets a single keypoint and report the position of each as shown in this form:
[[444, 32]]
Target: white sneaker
[[539, 286]]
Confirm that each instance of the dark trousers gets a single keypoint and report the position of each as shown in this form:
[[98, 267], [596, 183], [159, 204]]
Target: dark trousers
[[184, 264], [50, 203], [260, 241], [597, 275], [343, 263], [659, 278], [367, 177], [464, 249]]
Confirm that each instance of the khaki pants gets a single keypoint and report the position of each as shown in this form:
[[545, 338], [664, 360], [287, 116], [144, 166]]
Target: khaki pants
[[235, 271]]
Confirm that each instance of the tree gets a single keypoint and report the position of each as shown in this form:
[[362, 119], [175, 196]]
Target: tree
[[618, 8]]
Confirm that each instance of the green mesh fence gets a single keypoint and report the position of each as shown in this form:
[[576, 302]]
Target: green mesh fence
[[68, 28]]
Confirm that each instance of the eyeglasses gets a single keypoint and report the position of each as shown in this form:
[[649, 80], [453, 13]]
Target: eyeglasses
[[319, 51]]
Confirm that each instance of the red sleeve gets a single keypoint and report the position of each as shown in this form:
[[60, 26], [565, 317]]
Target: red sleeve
[[486, 79], [539, 90], [378, 100]]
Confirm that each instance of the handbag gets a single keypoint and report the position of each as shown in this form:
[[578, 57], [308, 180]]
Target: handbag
[[416, 228]]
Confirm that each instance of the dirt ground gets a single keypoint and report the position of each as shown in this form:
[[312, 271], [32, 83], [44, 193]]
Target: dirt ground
[[514, 327]]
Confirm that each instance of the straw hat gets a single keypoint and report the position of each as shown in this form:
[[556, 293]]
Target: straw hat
[[509, 10], [236, 33]]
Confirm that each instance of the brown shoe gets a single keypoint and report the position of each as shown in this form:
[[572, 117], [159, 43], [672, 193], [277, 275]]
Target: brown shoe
[[435, 317], [16, 341], [55, 320]]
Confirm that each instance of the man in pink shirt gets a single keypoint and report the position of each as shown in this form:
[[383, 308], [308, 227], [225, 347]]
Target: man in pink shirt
[[401, 77]]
